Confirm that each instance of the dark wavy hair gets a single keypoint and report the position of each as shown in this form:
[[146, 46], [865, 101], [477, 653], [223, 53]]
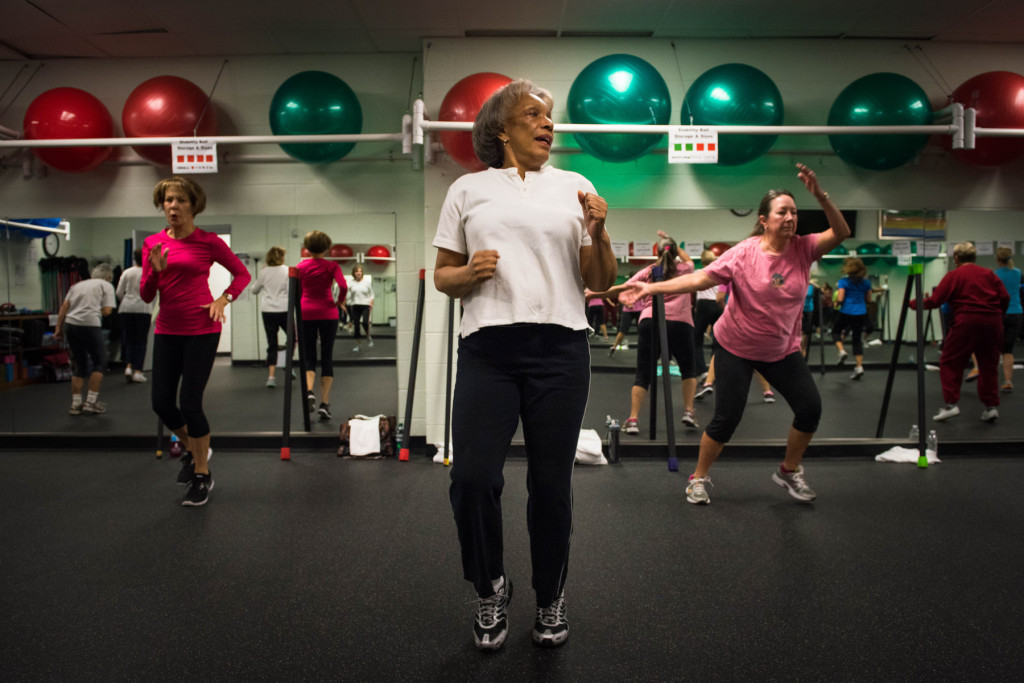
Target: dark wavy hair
[[765, 206]]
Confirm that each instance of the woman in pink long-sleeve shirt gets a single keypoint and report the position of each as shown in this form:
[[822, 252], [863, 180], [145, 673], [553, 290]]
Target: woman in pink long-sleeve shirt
[[317, 275], [176, 264]]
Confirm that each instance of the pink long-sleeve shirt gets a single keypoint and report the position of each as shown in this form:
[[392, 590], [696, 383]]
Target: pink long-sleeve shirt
[[184, 285], [316, 276]]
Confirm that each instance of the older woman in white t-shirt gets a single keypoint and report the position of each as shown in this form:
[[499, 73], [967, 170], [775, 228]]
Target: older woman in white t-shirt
[[518, 243], [760, 328], [272, 286], [359, 302]]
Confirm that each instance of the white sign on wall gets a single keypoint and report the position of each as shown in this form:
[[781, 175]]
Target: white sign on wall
[[693, 145], [190, 155]]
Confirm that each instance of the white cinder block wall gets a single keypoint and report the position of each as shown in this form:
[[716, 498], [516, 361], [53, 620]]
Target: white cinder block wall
[[375, 188]]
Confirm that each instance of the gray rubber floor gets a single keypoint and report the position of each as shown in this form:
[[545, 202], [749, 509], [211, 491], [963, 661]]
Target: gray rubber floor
[[330, 569]]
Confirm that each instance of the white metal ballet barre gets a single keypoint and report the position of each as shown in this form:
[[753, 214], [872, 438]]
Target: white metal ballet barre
[[65, 228], [962, 128]]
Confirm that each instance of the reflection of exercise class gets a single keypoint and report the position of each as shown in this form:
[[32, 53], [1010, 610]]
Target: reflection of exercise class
[[303, 311]]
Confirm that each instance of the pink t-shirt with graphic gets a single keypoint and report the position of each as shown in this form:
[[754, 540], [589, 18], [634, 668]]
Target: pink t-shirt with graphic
[[761, 321], [678, 307]]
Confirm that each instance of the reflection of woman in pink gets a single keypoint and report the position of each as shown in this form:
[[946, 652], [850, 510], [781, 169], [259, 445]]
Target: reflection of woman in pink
[[176, 263], [320, 317]]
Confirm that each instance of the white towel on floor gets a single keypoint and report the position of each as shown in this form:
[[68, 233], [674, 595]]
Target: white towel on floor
[[364, 435], [901, 454], [589, 449]]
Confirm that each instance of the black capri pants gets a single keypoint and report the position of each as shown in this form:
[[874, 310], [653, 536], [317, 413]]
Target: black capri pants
[[790, 377], [1011, 328], [540, 374], [360, 317], [857, 325], [188, 359], [680, 347], [88, 351], [327, 330], [272, 322]]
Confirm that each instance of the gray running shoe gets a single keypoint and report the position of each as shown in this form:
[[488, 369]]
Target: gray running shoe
[[794, 484], [491, 625], [94, 408], [696, 491], [551, 629], [990, 414], [690, 420]]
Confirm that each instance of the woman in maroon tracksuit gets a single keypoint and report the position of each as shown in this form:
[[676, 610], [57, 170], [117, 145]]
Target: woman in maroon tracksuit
[[978, 300]]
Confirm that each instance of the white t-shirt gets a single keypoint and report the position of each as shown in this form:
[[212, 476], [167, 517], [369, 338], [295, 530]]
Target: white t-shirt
[[359, 293], [128, 292], [86, 299], [536, 226], [272, 286]]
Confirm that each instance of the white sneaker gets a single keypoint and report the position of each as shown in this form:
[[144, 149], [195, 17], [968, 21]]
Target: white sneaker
[[858, 372], [842, 358], [946, 412], [990, 414], [137, 376], [369, 343]]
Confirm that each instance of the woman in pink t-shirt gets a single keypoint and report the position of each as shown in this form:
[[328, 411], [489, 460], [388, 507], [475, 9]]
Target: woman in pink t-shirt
[[320, 317], [760, 328], [176, 263]]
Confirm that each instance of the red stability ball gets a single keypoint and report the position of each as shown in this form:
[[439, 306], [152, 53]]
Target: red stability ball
[[377, 253], [167, 107], [65, 114], [998, 99], [342, 252], [718, 248], [462, 103], [305, 253]]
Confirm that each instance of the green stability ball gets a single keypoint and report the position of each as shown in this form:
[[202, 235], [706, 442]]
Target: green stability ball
[[881, 99], [619, 89], [869, 252], [316, 103], [734, 95]]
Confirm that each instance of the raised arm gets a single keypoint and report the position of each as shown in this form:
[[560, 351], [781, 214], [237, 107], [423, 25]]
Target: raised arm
[[597, 262], [838, 230]]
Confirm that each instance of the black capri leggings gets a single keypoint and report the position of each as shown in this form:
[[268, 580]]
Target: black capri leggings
[[856, 324], [327, 330], [789, 376], [360, 316], [88, 351], [680, 347], [1011, 328], [187, 358], [272, 322]]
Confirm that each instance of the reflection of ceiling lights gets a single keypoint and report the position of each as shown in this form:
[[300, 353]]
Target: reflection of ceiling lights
[[621, 80]]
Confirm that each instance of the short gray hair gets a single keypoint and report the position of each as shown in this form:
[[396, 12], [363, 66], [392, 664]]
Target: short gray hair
[[104, 272], [965, 252], [495, 113]]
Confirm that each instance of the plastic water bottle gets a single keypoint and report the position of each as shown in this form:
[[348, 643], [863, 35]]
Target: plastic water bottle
[[400, 434], [933, 443], [914, 434], [177, 448], [613, 440]]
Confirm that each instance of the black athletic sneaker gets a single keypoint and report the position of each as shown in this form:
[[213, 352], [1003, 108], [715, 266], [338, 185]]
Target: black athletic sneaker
[[491, 626], [325, 411], [551, 628], [198, 490]]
